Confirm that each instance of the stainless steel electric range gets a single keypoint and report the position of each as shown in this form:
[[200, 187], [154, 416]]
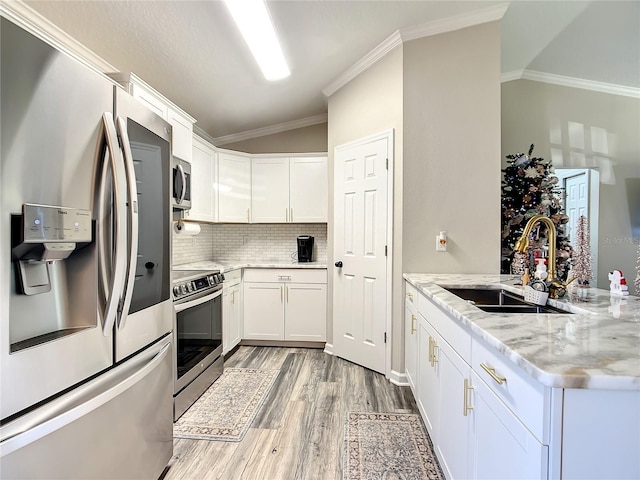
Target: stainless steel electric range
[[197, 300]]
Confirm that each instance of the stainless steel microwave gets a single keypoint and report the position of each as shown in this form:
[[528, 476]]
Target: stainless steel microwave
[[181, 185]]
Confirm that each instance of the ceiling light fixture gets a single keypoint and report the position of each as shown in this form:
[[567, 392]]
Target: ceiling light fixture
[[254, 22]]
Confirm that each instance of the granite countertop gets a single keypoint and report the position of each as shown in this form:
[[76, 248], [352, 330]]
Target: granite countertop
[[227, 266], [596, 347]]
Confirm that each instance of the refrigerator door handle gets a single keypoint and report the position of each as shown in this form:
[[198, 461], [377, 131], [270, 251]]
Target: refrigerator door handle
[[120, 232], [81, 401], [132, 210]]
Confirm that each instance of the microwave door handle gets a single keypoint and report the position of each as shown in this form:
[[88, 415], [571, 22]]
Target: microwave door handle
[[132, 214], [183, 176], [120, 233]]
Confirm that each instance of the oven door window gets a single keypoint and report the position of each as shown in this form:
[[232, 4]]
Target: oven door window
[[199, 331]]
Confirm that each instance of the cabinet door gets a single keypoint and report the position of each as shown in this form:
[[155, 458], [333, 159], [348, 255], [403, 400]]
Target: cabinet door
[[411, 343], [234, 188], [309, 187], [226, 317], [203, 181], [235, 317], [453, 431], [150, 101], [305, 312], [182, 135], [270, 190], [427, 380], [502, 447], [264, 311]]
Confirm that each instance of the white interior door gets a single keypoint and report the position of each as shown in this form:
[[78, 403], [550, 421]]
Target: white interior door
[[576, 201], [360, 287]]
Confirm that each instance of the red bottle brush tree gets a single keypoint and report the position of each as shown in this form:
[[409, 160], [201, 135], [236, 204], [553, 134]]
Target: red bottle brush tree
[[529, 188]]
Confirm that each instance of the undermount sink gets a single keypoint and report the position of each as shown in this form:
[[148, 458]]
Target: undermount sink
[[500, 301]]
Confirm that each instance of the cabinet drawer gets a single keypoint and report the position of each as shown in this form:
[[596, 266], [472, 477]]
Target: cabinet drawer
[[410, 293], [522, 394], [456, 335], [297, 275]]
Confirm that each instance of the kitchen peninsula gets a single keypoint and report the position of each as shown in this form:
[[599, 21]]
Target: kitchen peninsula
[[542, 395]]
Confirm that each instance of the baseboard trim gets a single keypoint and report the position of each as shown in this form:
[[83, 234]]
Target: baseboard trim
[[328, 348], [281, 343], [399, 379]]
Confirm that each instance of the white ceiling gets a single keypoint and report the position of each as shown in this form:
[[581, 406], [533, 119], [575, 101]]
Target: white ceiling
[[191, 52]]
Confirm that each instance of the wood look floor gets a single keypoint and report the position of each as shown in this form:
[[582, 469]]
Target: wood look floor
[[298, 434]]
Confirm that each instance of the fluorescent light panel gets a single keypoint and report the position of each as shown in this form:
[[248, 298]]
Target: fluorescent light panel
[[254, 22]]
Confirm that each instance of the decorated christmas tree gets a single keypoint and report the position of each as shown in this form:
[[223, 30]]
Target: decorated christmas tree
[[529, 188], [582, 257]]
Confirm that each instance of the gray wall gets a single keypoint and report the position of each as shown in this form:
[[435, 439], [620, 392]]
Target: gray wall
[[300, 140], [539, 113], [371, 103], [452, 151], [441, 95]]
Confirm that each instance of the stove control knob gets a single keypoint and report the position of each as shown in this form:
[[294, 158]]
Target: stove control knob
[[183, 289], [222, 277], [176, 291]]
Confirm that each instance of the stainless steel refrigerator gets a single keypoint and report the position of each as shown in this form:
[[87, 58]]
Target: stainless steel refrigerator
[[86, 387]]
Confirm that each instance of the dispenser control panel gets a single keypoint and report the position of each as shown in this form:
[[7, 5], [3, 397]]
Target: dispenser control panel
[[45, 224]]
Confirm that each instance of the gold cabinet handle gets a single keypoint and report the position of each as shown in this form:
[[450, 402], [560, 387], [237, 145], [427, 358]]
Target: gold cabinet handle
[[466, 406], [287, 292], [292, 214], [281, 294], [492, 373], [431, 350], [434, 357], [233, 297], [413, 324], [248, 216]]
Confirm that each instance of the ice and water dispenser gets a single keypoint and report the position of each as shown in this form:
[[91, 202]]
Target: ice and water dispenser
[[55, 270]]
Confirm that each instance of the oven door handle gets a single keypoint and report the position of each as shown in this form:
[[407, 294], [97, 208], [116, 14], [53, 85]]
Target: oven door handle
[[198, 301]]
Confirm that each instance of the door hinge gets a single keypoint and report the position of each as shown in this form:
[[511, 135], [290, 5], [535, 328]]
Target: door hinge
[[385, 250], [387, 164], [385, 337]]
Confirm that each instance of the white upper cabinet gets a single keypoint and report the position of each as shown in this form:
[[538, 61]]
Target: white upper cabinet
[[203, 182], [289, 189], [181, 122], [182, 134], [234, 187], [308, 190], [270, 189]]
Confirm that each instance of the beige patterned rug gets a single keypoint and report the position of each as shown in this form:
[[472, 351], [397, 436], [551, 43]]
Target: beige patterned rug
[[225, 411], [388, 446]]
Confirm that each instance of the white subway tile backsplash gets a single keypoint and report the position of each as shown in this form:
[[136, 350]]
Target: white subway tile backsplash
[[248, 243]]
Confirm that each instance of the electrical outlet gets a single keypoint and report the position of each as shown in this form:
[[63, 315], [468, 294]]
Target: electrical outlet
[[441, 242]]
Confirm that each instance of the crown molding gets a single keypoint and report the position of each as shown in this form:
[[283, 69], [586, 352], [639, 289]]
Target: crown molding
[[398, 37], [270, 130], [387, 45], [30, 20], [573, 82], [457, 22]]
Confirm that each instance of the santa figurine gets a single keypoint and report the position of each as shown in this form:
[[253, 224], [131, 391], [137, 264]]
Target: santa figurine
[[617, 283]]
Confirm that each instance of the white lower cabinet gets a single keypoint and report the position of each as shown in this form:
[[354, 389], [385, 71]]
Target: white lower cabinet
[[455, 423], [502, 447], [474, 433], [411, 339], [231, 311], [427, 377], [263, 311], [285, 304]]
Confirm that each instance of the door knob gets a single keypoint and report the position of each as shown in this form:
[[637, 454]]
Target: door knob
[[338, 264]]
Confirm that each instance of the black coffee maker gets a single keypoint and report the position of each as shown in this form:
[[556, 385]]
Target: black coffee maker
[[305, 248]]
